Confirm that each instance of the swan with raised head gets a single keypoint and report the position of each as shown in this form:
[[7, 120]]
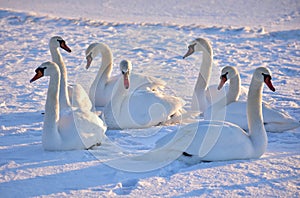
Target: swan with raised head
[[101, 88], [139, 108], [234, 111], [217, 140], [204, 95], [71, 129], [69, 94]]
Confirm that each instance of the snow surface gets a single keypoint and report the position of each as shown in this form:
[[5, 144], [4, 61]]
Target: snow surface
[[154, 36]]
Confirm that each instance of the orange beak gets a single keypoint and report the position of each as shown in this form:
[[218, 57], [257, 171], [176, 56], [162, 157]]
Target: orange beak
[[222, 82], [190, 51], [65, 47], [38, 75], [89, 60], [269, 83], [126, 80]]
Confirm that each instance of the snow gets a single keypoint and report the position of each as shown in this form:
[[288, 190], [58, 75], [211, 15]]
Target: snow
[[154, 36]]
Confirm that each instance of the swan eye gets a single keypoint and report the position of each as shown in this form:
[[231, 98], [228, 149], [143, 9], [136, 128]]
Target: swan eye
[[266, 76], [40, 69], [224, 76]]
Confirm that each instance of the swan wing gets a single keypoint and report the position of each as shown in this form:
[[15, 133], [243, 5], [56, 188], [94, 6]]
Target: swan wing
[[78, 97], [141, 109], [208, 140], [141, 82]]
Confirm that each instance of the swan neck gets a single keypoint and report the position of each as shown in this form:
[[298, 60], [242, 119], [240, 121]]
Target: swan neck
[[234, 89], [205, 69], [63, 93], [104, 72], [199, 101], [52, 103], [257, 131]]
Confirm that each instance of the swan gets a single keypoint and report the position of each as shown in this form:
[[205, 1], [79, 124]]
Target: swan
[[204, 95], [74, 94], [218, 140], [72, 129], [101, 89], [139, 108], [234, 111]]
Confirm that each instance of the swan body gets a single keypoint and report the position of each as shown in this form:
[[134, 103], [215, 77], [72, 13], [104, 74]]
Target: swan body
[[203, 95], [103, 85], [140, 108], [234, 111], [72, 128], [69, 94], [219, 140]]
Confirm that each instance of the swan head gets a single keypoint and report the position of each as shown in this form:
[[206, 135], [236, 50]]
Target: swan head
[[57, 41], [125, 67], [263, 74], [198, 45], [227, 73], [90, 53], [93, 51], [45, 69]]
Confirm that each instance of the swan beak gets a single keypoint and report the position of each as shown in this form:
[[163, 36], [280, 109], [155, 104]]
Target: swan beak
[[269, 83], [65, 47], [89, 60], [126, 79], [190, 51], [38, 75], [222, 82]]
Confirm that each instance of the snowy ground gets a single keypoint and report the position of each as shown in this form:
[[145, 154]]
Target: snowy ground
[[154, 37]]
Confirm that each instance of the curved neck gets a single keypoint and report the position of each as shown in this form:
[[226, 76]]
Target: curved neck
[[51, 137], [217, 110], [199, 102], [104, 72], [205, 70], [257, 131], [63, 93], [234, 89], [52, 108]]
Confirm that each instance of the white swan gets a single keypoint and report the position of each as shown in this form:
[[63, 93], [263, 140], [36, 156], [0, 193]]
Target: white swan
[[204, 95], [216, 140], [101, 88], [70, 129], [234, 111], [139, 108], [69, 94]]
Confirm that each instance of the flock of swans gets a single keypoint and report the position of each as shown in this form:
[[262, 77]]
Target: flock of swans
[[132, 100]]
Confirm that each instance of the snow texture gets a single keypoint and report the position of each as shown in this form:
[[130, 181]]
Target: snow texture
[[154, 36]]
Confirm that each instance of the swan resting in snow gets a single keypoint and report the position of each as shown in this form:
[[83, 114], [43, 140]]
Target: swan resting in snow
[[101, 89], [140, 108], [217, 140], [231, 110], [70, 129]]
